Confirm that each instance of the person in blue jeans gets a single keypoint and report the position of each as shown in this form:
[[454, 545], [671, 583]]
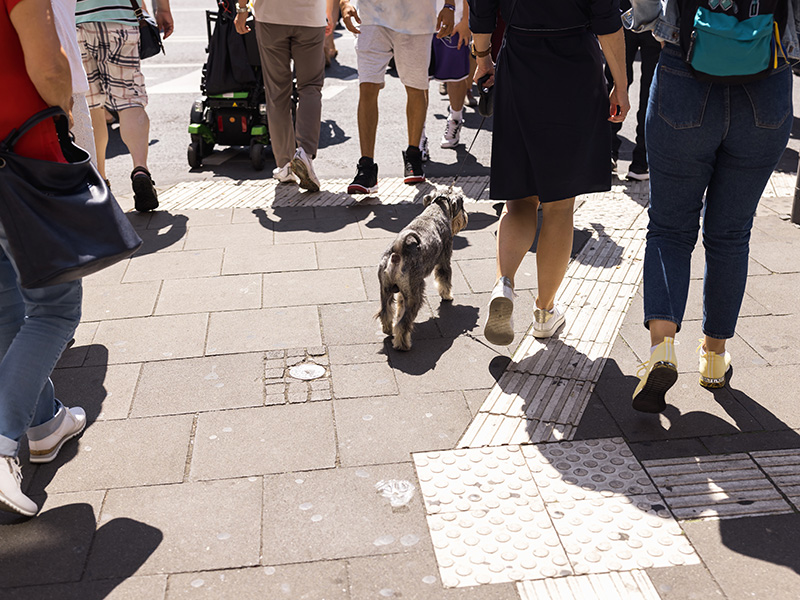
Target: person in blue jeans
[[36, 324], [703, 139]]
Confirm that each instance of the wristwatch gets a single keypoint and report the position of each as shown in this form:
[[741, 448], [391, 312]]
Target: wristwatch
[[241, 9], [480, 54]]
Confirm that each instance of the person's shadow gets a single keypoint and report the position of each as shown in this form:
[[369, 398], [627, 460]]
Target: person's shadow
[[63, 543], [749, 427]]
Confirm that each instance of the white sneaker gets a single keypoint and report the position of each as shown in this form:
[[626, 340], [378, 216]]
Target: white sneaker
[[452, 133], [284, 174], [302, 167], [46, 449], [545, 322], [11, 497], [499, 327]]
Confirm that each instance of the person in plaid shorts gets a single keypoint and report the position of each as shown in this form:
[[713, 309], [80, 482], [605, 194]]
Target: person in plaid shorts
[[108, 35]]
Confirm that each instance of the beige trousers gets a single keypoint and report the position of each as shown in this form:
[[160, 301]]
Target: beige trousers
[[278, 46]]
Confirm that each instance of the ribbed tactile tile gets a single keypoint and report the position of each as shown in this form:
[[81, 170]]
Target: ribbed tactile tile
[[631, 585], [586, 469], [479, 478], [783, 467], [496, 546], [620, 533], [715, 487]]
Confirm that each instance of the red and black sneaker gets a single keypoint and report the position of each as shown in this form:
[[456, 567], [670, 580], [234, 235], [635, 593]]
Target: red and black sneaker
[[412, 158], [366, 179]]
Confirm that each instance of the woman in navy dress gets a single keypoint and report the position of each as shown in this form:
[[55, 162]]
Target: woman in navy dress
[[552, 134]]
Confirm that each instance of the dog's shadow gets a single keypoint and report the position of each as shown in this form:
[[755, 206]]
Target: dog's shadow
[[432, 338]]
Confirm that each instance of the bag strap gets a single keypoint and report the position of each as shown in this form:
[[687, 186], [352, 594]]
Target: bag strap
[[7, 145], [138, 12]]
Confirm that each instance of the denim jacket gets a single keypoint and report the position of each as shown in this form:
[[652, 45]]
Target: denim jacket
[[661, 17]]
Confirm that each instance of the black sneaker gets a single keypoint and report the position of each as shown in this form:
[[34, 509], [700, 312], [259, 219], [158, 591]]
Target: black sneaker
[[412, 158], [638, 173], [366, 179], [145, 197]]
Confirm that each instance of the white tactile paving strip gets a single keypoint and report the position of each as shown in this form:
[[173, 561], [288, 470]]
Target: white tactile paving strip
[[262, 193], [630, 585], [544, 391], [716, 487], [551, 510]]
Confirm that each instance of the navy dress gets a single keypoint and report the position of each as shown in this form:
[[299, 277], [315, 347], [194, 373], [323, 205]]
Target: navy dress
[[552, 137]]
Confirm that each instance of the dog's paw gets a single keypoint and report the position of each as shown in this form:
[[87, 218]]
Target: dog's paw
[[387, 329], [402, 340]]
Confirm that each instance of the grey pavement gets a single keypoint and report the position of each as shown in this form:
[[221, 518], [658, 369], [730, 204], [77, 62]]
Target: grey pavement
[[211, 468]]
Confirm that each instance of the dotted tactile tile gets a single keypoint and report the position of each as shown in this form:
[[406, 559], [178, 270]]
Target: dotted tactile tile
[[714, 487], [620, 534], [479, 478], [586, 469], [496, 546], [630, 585], [783, 467]]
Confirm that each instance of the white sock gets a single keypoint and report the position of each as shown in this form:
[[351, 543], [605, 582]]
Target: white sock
[[653, 348], [456, 115]]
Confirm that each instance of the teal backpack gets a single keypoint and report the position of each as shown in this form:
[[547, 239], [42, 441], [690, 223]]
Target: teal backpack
[[730, 42]]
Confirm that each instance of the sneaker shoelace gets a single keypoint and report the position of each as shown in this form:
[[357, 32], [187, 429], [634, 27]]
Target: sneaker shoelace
[[452, 128], [13, 465]]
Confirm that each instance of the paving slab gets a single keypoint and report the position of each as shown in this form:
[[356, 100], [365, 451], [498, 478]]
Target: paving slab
[[105, 392], [101, 302], [413, 576], [363, 380], [338, 513], [444, 365], [209, 294], [316, 230], [152, 587], [266, 329], [751, 557], [247, 235], [351, 253], [324, 580], [300, 288], [148, 338], [355, 323], [121, 453], [200, 526], [776, 293], [108, 276], [475, 244], [200, 384], [689, 582], [358, 353], [163, 239], [481, 273], [178, 265], [275, 439], [161, 219], [774, 338], [269, 259], [691, 411], [387, 429], [52, 548], [748, 442]]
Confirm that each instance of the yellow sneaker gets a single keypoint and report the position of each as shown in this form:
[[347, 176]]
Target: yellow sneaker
[[713, 367], [656, 377]]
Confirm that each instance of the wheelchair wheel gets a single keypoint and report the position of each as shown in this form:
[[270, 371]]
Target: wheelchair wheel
[[194, 156], [257, 155]]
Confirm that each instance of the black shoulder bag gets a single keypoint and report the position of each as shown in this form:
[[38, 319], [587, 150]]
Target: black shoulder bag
[[61, 221], [149, 37]]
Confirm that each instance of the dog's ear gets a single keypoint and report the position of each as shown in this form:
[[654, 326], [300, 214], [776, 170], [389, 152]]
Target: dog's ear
[[412, 241], [426, 201], [459, 205]]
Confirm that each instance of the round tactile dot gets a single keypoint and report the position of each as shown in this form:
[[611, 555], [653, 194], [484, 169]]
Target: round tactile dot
[[483, 578], [592, 557], [445, 562], [489, 548], [463, 571], [459, 551], [471, 541], [656, 552], [502, 538]]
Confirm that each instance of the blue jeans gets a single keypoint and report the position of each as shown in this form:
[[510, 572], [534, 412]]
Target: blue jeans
[[35, 326], [721, 140]]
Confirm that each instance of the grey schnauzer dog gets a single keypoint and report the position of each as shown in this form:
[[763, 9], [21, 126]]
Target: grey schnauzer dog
[[423, 247]]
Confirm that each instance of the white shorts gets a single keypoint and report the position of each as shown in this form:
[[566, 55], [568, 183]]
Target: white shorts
[[376, 45]]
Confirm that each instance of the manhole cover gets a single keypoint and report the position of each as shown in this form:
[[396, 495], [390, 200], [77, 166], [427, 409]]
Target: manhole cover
[[307, 371]]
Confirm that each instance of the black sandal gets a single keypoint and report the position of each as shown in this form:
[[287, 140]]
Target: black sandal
[[145, 197]]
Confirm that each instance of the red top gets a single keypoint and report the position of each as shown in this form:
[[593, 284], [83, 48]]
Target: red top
[[19, 99]]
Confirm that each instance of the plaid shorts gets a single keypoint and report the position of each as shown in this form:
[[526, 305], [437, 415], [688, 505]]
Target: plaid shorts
[[110, 54]]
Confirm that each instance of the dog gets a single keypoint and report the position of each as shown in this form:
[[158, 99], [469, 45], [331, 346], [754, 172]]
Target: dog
[[423, 247]]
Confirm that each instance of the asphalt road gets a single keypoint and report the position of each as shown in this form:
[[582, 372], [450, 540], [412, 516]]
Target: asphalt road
[[173, 84]]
